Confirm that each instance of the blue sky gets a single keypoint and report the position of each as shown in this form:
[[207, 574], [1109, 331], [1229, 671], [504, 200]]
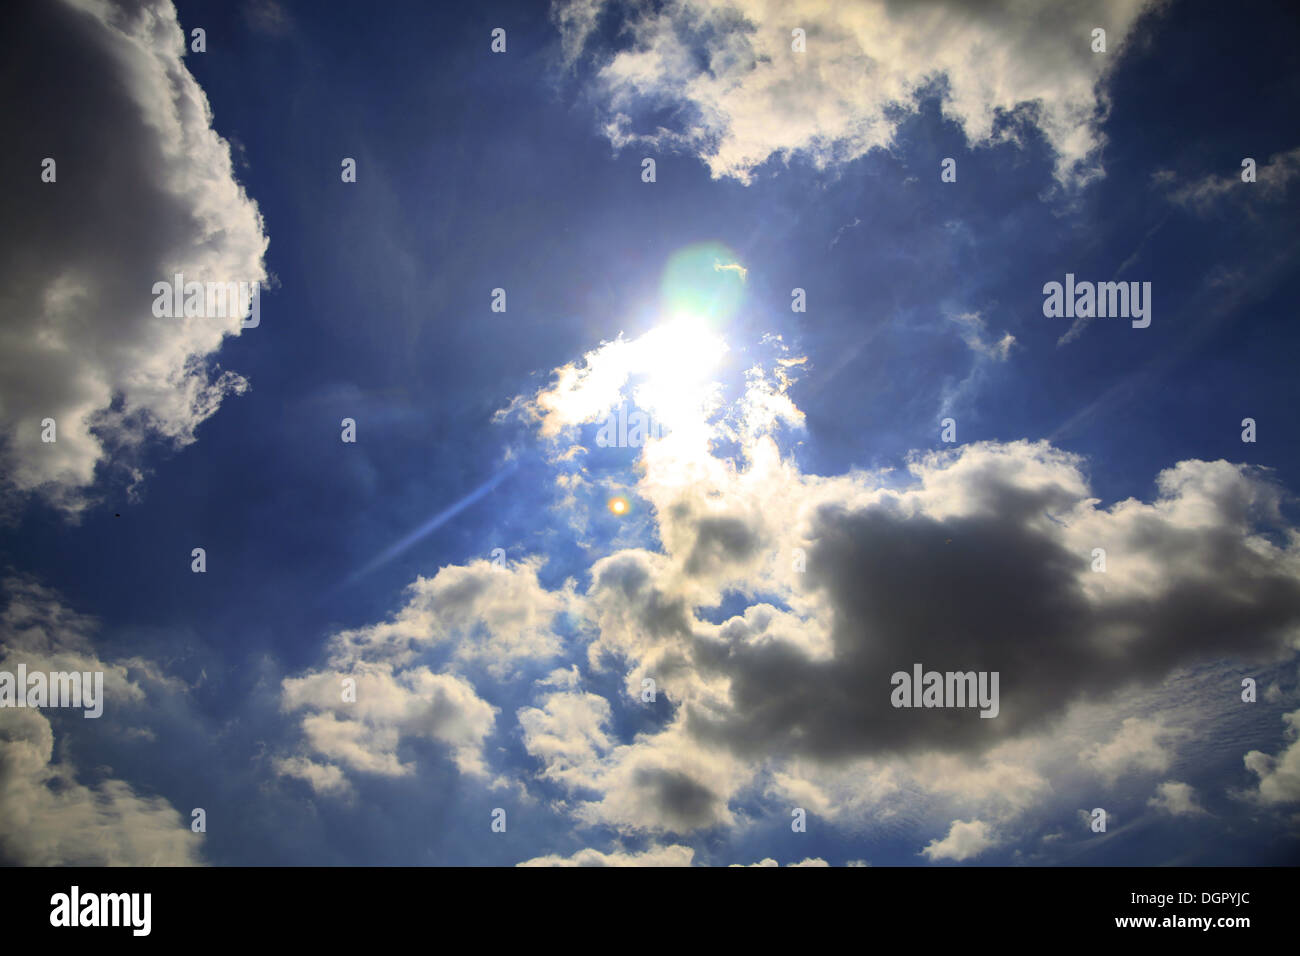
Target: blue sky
[[514, 683]]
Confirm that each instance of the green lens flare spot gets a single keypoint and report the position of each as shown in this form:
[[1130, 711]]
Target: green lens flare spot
[[705, 280]]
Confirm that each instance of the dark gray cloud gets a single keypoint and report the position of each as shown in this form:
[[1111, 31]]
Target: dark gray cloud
[[681, 800], [1000, 589], [723, 539]]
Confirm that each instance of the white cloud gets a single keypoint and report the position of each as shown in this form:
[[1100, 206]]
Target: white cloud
[[321, 777], [392, 704], [145, 189], [1139, 745], [675, 855], [494, 615], [567, 733], [768, 861], [667, 371], [963, 842], [48, 817], [480, 614], [744, 96], [1177, 799], [661, 783], [1279, 777]]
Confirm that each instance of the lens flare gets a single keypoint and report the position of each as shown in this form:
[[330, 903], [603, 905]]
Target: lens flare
[[705, 280], [618, 505]]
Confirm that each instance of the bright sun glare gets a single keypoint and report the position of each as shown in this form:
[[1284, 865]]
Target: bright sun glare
[[677, 361]]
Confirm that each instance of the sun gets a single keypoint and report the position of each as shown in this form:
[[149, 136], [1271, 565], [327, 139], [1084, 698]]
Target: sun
[[681, 352], [618, 505], [676, 365]]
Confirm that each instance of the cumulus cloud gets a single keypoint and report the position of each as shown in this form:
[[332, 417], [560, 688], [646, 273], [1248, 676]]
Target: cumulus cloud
[[675, 855], [1279, 776], [477, 614], [768, 861], [145, 189], [977, 558], [662, 783], [922, 574], [1177, 799], [48, 816], [491, 614], [567, 733], [739, 95], [321, 777], [1138, 745], [964, 841], [391, 705]]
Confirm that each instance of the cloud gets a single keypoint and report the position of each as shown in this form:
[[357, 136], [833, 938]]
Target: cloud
[[393, 705], [485, 613], [660, 783], [1272, 180], [839, 233], [738, 95], [768, 861], [833, 583], [964, 841], [567, 733], [587, 393], [576, 20], [973, 331], [479, 614], [268, 16], [1137, 746], [675, 855], [321, 777], [735, 267], [145, 189], [1176, 799], [991, 527], [48, 816], [1279, 777]]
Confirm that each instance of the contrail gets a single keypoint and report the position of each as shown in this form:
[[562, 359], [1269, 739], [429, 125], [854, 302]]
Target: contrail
[[437, 521]]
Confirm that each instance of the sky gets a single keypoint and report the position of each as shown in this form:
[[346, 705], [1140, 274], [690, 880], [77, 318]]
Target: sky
[[557, 507]]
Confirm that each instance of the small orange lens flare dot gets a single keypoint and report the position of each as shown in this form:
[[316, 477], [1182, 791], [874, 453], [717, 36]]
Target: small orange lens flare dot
[[618, 506]]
